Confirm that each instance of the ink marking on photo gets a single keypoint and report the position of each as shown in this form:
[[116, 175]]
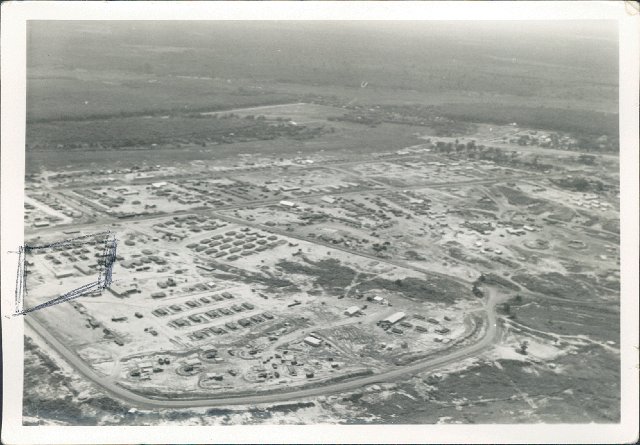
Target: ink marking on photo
[[103, 280]]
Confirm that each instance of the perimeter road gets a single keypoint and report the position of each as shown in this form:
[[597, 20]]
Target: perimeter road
[[487, 341]]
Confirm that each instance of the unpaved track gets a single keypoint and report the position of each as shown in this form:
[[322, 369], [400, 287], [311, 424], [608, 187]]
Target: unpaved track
[[106, 383]]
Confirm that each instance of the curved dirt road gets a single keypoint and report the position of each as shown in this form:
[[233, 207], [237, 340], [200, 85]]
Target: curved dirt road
[[121, 393]]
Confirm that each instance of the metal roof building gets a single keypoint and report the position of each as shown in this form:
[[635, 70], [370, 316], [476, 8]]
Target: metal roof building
[[351, 311], [312, 341], [394, 318]]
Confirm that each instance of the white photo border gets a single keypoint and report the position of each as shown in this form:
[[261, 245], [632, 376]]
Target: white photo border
[[13, 64]]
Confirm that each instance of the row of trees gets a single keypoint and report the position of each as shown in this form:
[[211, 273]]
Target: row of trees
[[489, 153]]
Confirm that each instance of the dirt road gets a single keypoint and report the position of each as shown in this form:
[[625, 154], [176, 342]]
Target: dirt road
[[491, 335]]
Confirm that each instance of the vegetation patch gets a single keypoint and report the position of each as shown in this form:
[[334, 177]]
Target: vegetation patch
[[517, 197], [497, 280], [50, 396], [558, 119], [557, 285], [144, 131], [435, 289], [580, 184], [290, 407], [328, 273]]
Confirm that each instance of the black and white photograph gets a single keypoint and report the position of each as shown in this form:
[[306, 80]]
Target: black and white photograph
[[295, 222]]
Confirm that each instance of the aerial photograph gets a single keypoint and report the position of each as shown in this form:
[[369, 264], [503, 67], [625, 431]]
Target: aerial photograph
[[321, 222]]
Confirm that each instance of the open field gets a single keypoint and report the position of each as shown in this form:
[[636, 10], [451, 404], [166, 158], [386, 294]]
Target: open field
[[550, 72]]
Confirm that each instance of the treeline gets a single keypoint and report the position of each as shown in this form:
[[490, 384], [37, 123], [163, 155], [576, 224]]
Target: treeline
[[138, 131], [578, 122], [499, 156], [418, 115], [580, 184], [154, 112]]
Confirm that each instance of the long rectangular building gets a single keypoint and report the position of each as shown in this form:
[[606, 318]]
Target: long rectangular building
[[393, 318]]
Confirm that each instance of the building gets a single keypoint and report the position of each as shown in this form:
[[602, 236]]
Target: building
[[285, 203], [146, 366], [64, 273], [85, 270], [352, 311], [312, 341], [392, 319], [122, 291], [193, 362], [212, 376], [328, 199]]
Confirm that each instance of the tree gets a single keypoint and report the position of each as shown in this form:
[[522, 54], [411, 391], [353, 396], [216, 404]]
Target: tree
[[450, 147], [523, 348], [587, 159]]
